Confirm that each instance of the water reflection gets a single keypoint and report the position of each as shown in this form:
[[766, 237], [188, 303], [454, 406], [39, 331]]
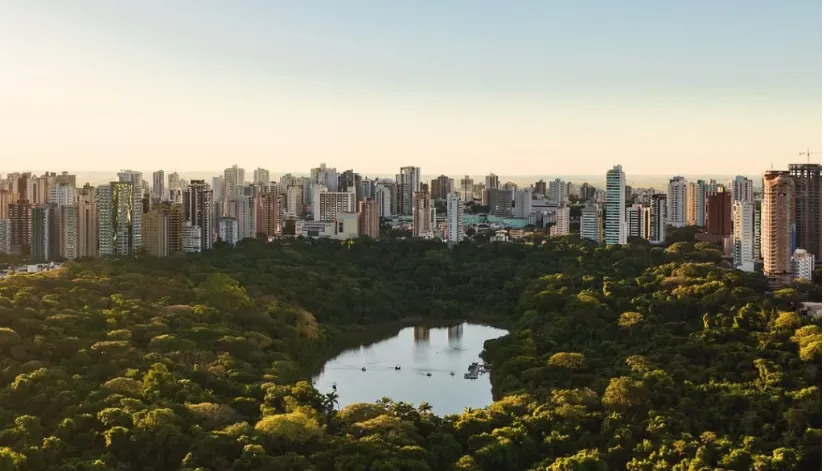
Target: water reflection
[[455, 333], [427, 357], [422, 335]]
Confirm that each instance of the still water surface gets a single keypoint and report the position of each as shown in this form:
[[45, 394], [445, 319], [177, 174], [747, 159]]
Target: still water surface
[[418, 351]]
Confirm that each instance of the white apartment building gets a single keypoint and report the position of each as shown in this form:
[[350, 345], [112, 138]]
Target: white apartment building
[[294, 201], [523, 203], [677, 202], [742, 189], [192, 238], [327, 204], [592, 223], [233, 179], [228, 230], [615, 232], [639, 221], [241, 209], [62, 194], [743, 235], [383, 196], [803, 264], [561, 226], [455, 231], [260, 175], [556, 192]]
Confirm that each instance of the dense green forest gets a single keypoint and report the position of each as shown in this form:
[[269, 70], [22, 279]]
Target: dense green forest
[[619, 358]]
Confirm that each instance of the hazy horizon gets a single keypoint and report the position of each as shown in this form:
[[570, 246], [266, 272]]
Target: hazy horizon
[[98, 177], [533, 87]]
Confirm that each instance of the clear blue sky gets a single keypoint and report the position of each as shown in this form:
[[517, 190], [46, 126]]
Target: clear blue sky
[[522, 87]]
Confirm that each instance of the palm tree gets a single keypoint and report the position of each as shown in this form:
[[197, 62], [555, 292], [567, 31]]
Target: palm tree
[[424, 407], [330, 402]]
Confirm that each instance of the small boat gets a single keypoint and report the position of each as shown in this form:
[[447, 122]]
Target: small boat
[[428, 374], [335, 386], [363, 369], [397, 367], [451, 373]]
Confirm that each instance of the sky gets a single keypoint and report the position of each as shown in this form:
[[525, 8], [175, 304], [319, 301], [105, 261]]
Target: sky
[[452, 86]]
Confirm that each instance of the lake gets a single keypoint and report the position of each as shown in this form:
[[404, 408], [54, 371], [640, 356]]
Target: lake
[[418, 351]]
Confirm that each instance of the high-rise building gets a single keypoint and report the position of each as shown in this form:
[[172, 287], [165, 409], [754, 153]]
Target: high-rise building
[[756, 230], [192, 238], [294, 201], [803, 264], [639, 221], [87, 231], [658, 218], [522, 203], [808, 208], [349, 181], [615, 231], [260, 175], [777, 216], [156, 232], [692, 204], [383, 196], [68, 221], [561, 226], [586, 192], [329, 203], [677, 202], [441, 187], [556, 193], [197, 211], [66, 179], [61, 194], [234, 177], [500, 202], [743, 235], [407, 182], [218, 187], [491, 182], [455, 231], [269, 213], [422, 215], [592, 223], [325, 176], [20, 220], [539, 188], [369, 218], [719, 213], [7, 197], [241, 208], [228, 230], [5, 236], [119, 218], [467, 188], [41, 234], [741, 189], [158, 185], [174, 183]]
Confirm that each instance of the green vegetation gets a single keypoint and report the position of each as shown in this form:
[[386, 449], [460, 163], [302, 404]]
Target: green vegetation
[[632, 358]]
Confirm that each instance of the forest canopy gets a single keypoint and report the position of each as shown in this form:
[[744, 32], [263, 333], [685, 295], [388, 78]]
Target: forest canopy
[[633, 357]]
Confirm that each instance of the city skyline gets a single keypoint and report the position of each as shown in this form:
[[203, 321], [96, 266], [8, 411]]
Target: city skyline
[[380, 86]]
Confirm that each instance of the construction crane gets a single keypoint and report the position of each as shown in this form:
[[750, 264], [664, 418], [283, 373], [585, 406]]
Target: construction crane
[[808, 154]]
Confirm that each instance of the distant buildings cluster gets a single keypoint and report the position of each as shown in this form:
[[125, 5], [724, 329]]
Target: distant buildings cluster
[[48, 217]]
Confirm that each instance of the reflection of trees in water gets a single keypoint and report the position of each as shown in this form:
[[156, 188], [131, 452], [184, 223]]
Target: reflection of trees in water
[[421, 334], [455, 333]]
